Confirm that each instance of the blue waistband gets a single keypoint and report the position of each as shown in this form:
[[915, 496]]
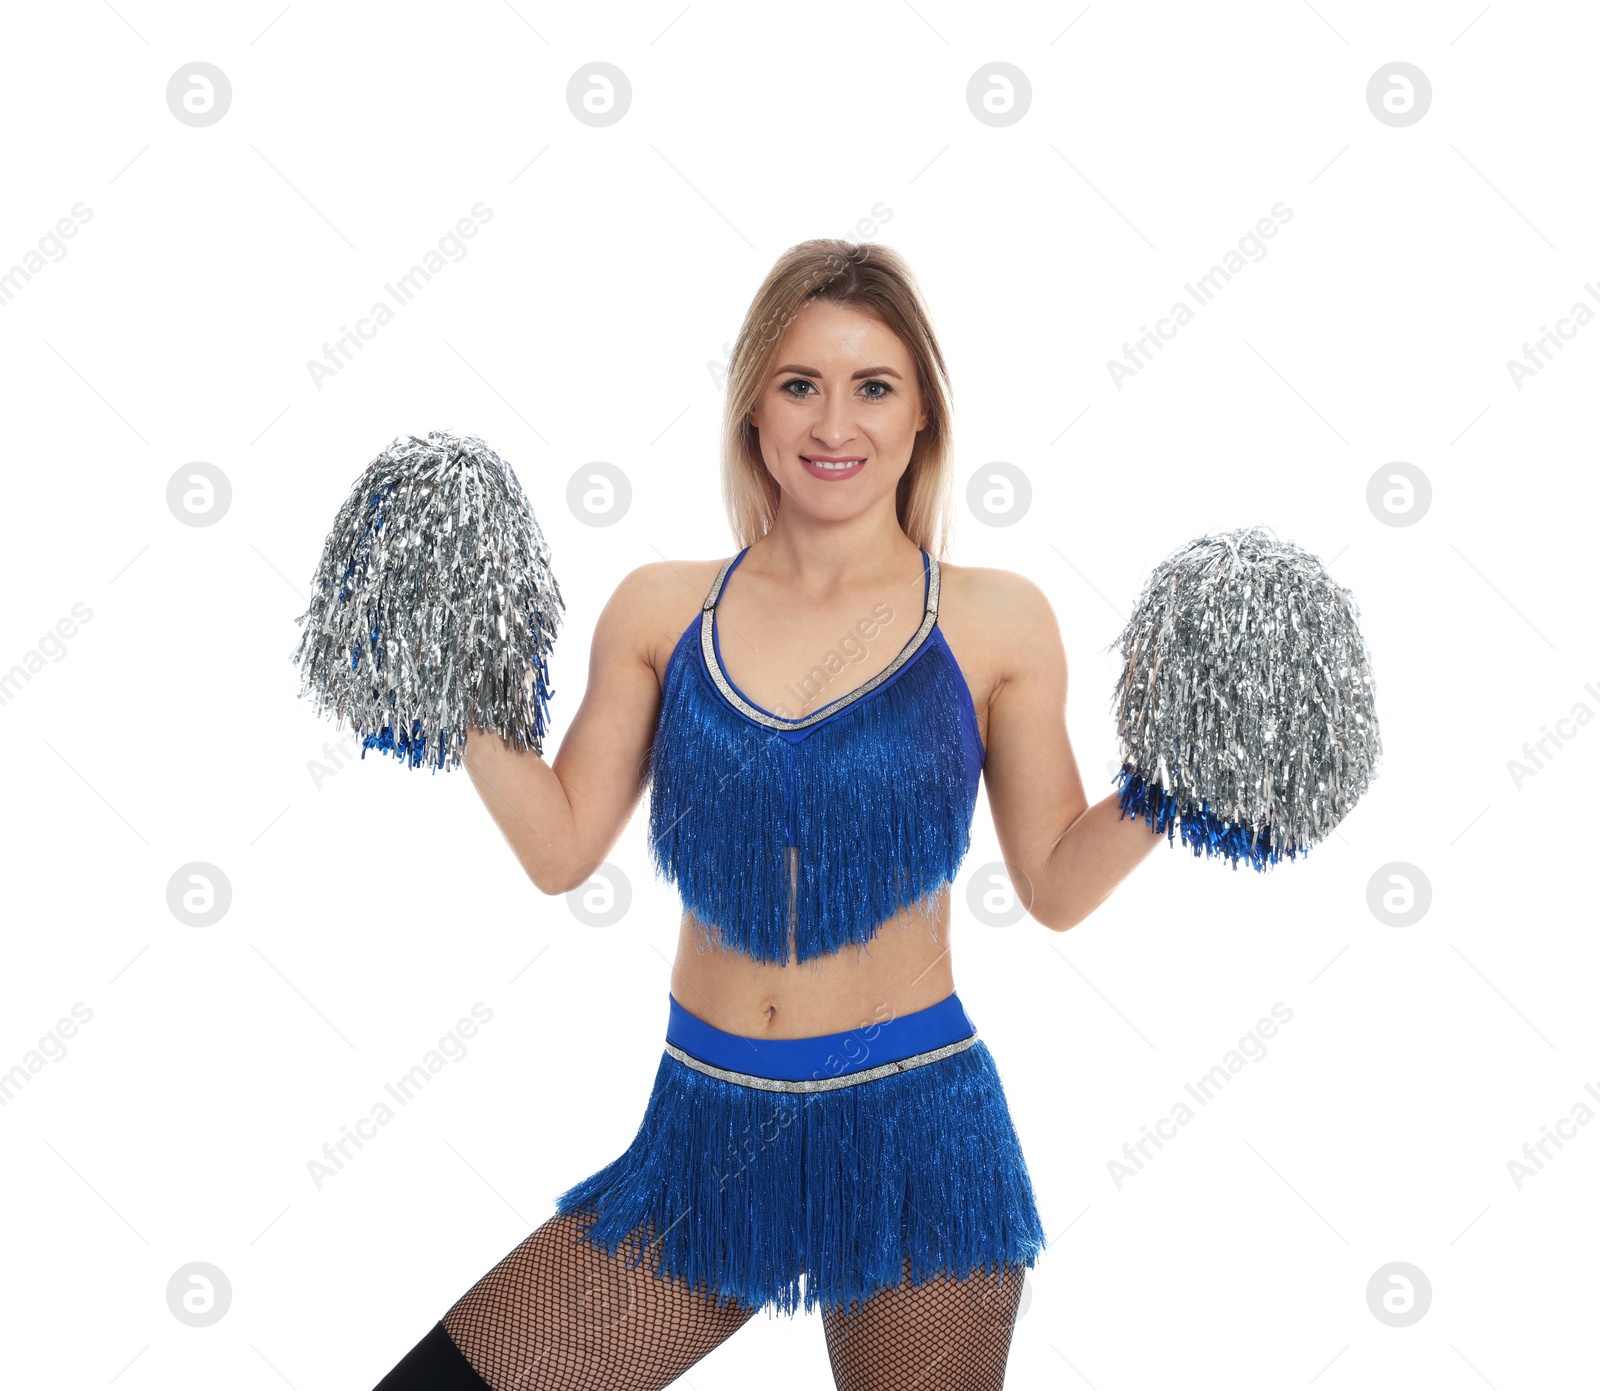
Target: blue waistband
[[822, 1055]]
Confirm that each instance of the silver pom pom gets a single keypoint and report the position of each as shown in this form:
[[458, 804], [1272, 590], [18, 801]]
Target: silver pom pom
[[434, 606], [1245, 709]]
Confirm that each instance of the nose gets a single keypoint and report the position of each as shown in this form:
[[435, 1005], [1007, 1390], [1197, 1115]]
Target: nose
[[837, 421]]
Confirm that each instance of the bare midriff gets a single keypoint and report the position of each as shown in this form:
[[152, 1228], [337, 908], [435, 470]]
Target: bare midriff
[[904, 968]]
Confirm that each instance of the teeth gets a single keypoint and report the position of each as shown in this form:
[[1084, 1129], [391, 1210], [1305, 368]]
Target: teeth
[[820, 463]]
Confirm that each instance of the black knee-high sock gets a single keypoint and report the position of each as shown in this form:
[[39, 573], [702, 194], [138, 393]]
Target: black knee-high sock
[[435, 1364]]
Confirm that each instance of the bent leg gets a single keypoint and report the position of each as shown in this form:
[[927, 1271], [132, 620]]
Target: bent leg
[[947, 1335], [559, 1315]]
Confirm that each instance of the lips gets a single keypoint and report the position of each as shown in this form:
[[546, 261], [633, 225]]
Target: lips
[[825, 466]]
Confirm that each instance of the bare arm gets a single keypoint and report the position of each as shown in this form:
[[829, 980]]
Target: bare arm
[[561, 819], [1064, 856]]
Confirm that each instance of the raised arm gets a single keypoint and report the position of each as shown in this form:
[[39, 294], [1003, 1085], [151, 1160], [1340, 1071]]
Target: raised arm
[[562, 818], [1064, 856]]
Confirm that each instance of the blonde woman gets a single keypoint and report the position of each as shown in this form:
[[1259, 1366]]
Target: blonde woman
[[812, 716]]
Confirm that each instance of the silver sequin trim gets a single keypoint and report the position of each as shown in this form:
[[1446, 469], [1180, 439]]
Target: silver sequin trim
[[823, 1084], [708, 652]]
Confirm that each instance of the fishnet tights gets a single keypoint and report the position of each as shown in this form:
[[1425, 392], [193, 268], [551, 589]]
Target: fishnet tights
[[945, 1335], [559, 1315]]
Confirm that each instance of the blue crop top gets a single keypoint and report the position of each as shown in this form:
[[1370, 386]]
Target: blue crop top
[[792, 838]]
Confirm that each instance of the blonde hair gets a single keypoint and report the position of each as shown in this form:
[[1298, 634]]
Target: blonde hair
[[872, 278]]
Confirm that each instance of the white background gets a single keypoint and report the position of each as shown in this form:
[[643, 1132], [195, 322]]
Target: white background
[[371, 910]]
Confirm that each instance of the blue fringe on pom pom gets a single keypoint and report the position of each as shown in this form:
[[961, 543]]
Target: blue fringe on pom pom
[[743, 1190], [729, 797], [1199, 826]]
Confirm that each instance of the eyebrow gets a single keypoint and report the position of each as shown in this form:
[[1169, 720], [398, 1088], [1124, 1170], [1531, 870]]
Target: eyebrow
[[854, 376]]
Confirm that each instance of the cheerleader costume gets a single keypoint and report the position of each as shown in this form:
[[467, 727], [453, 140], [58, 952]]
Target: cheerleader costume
[[809, 1172]]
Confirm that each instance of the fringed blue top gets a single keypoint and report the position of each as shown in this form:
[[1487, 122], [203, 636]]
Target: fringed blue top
[[818, 829]]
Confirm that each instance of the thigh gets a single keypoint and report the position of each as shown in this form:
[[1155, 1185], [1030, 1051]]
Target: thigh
[[558, 1313], [945, 1335]]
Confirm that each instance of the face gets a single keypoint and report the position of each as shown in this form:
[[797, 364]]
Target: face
[[839, 416]]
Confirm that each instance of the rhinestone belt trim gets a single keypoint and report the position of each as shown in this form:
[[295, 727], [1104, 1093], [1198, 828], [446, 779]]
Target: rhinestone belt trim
[[823, 1084]]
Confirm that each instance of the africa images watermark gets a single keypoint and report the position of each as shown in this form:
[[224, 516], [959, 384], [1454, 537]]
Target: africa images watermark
[[851, 650], [451, 1048], [52, 644], [404, 288], [1537, 355], [1251, 1048], [1252, 246], [1536, 752], [51, 1048], [334, 758], [1536, 1153], [51, 247], [853, 1052]]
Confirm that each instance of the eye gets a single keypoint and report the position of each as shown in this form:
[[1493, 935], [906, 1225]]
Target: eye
[[882, 395]]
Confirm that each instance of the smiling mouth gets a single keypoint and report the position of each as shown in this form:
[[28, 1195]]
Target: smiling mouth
[[832, 465]]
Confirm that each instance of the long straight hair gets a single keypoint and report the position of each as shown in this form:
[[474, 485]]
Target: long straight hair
[[876, 280]]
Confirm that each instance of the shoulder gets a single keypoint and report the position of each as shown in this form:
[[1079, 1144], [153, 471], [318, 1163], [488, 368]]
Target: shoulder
[[996, 592], [668, 584], [1004, 619], [653, 604], [1002, 601]]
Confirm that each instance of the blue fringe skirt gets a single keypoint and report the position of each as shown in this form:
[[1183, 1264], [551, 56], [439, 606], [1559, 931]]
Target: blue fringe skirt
[[836, 1158]]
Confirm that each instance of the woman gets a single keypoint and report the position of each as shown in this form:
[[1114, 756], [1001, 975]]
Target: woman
[[824, 1105]]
